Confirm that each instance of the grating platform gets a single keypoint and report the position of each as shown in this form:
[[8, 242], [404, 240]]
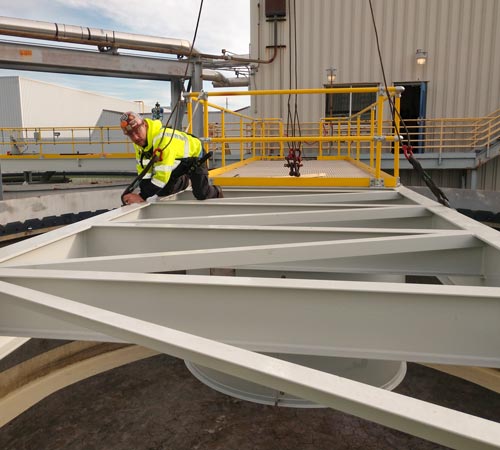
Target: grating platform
[[340, 172], [310, 168]]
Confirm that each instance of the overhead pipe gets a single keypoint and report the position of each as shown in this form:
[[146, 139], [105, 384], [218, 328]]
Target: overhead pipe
[[109, 40], [232, 82], [245, 60], [220, 80], [103, 39]]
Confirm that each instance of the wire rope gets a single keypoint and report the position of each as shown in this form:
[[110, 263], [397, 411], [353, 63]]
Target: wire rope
[[407, 149], [154, 156]]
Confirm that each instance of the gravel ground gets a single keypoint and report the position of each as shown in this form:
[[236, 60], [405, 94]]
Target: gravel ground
[[155, 404]]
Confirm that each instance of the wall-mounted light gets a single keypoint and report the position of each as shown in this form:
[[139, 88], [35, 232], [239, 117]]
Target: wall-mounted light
[[331, 75], [421, 56]]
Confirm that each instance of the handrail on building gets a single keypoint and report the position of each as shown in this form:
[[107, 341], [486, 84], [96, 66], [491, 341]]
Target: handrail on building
[[365, 135]]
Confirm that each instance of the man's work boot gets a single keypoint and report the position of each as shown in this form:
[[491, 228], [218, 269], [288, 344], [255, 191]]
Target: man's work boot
[[220, 194]]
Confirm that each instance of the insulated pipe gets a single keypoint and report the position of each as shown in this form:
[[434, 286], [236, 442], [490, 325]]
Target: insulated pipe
[[108, 40], [104, 39], [232, 82], [219, 80]]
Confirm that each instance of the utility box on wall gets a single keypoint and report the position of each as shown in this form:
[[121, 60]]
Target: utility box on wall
[[275, 8]]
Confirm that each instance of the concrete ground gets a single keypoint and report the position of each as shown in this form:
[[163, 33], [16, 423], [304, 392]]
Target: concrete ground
[[155, 404]]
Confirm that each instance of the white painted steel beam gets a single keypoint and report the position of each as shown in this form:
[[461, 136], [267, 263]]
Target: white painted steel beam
[[168, 209], [334, 318], [263, 254], [123, 238], [386, 217], [438, 424], [326, 239], [364, 196], [456, 262]]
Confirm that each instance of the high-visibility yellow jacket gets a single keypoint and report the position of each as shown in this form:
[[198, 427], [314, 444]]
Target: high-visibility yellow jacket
[[181, 146]]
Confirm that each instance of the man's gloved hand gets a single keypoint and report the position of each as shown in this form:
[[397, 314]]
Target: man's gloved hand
[[132, 198]]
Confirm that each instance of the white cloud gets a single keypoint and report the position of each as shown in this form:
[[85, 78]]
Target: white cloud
[[224, 24]]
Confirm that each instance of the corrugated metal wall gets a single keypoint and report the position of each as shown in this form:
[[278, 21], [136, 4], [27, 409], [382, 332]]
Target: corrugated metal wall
[[451, 178], [10, 103], [462, 38], [488, 176], [31, 103], [50, 105]]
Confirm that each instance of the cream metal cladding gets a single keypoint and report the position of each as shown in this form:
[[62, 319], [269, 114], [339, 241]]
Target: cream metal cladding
[[462, 39], [50, 105]]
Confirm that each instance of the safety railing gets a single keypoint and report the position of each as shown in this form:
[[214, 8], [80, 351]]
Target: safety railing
[[64, 142], [269, 137], [242, 136]]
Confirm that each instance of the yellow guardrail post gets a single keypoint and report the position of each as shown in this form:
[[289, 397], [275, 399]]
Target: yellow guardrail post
[[339, 128], [223, 135], [320, 145], [282, 144], [205, 123], [397, 104], [349, 135], [488, 139], [101, 133], [372, 134], [190, 115], [358, 144], [378, 137], [241, 143], [264, 145], [441, 137]]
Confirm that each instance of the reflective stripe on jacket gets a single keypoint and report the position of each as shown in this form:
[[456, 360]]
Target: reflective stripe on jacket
[[181, 146]]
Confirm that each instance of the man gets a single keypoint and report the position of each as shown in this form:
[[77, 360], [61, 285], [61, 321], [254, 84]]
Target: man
[[177, 156]]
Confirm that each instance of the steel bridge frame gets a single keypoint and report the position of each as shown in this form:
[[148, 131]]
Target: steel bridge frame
[[314, 271]]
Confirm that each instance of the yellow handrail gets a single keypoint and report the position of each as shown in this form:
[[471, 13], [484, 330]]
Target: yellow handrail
[[365, 134]]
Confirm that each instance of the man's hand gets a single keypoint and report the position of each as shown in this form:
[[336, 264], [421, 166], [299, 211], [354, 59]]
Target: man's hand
[[132, 198]]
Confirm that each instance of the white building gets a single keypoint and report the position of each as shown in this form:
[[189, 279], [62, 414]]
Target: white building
[[29, 103]]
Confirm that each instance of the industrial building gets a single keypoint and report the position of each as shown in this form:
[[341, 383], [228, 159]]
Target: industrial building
[[443, 53], [28, 103]]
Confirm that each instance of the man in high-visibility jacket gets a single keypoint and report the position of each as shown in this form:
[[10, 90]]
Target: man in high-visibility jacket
[[178, 154]]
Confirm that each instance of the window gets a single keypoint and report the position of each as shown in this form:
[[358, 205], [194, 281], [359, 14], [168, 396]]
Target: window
[[342, 105]]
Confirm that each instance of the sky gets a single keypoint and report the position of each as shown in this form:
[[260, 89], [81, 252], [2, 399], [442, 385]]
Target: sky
[[224, 24]]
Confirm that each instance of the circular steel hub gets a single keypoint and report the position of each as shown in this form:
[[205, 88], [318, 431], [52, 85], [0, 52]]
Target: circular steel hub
[[379, 373]]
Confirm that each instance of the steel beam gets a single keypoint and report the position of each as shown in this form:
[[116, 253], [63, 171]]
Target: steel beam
[[335, 318], [50, 59], [438, 424], [178, 209], [123, 238], [265, 254], [365, 196], [386, 217]]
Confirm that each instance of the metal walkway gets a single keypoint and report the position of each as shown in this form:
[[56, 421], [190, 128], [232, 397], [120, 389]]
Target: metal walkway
[[317, 272], [333, 172], [310, 169]]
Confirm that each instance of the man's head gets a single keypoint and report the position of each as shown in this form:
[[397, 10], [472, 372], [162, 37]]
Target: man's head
[[134, 126]]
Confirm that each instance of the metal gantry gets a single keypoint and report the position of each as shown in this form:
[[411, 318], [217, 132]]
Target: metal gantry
[[318, 272]]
